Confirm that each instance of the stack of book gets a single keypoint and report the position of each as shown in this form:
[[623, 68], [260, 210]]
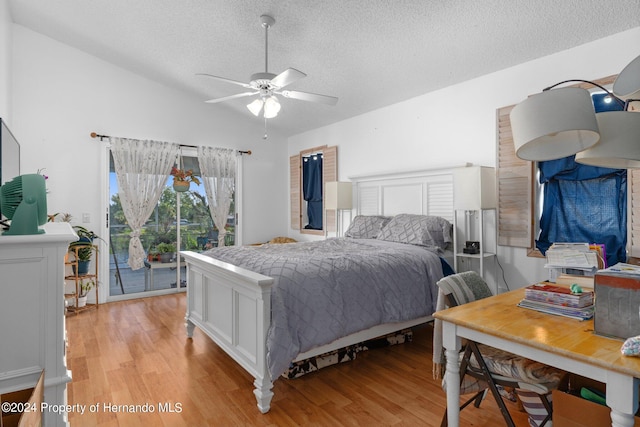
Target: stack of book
[[559, 300]]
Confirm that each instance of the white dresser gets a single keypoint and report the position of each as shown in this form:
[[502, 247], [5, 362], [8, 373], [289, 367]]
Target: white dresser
[[32, 328]]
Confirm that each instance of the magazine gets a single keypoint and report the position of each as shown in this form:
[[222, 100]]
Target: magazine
[[583, 313]]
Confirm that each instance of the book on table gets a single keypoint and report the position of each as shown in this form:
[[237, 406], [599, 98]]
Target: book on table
[[558, 295], [580, 313]]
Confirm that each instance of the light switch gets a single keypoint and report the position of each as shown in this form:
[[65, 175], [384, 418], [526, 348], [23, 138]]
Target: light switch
[[86, 217]]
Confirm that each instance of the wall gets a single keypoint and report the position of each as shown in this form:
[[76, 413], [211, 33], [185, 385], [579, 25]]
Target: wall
[[61, 95], [457, 124], [5, 61]]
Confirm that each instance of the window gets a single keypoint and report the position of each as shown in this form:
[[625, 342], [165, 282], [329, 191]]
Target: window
[[584, 203], [312, 190], [164, 234], [326, 160], [516, 177]]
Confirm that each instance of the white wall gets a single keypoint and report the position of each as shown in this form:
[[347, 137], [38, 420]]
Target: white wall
[[457, 124], [5, 61], [61, 95]]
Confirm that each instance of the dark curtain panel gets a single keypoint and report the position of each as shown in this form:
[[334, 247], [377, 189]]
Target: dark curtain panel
[[312, 190], [585, 203], [585, 206]]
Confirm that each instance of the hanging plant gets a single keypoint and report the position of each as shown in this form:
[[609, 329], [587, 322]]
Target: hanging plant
[[182, 179]]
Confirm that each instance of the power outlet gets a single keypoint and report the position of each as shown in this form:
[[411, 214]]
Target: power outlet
[[86, 218]]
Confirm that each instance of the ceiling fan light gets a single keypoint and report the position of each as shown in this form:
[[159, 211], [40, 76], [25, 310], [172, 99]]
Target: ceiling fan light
[[271, 107], [255, 107]]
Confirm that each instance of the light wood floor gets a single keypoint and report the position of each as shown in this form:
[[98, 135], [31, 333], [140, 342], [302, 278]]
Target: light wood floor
[[136, 352]]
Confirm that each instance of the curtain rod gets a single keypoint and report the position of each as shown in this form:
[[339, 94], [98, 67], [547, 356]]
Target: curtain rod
[[95, 135]]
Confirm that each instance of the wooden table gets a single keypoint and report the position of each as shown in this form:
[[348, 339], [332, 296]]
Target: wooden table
[[154, 265], [558, 341]]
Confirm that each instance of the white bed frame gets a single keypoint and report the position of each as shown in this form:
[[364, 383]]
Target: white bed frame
[[232, 305]]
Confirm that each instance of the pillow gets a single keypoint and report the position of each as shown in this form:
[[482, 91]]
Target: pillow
[[366, 226], [422, 230]]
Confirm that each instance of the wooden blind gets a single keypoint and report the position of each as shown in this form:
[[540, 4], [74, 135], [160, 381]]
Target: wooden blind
[[329, 174], [514, 178], [295, 172], [633, 211]]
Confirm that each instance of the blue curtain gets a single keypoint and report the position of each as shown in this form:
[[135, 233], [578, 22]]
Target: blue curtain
[[585, 203], [312, 190]]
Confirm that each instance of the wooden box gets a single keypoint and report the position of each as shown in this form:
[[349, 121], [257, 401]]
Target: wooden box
[[30, 398], [617, 305], [574, 411]]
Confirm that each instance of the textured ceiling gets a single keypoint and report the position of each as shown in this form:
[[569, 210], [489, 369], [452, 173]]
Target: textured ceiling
[[369, 53]]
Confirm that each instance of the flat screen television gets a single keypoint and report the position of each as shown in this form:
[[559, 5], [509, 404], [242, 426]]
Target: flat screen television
[[9, 156]]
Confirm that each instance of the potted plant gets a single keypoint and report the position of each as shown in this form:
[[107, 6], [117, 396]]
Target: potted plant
[[84, 235], [167, 251], [82, 248], [85, 287], [182, 179], [153, 255], [83, 253]]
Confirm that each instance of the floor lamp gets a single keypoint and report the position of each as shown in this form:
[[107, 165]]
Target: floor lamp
[[338, 197]]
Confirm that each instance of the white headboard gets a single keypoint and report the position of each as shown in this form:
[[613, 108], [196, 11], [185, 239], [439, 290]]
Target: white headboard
[[424, 192]]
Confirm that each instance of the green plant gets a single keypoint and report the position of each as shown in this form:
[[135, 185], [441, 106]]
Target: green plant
[[84, 233], [165, 247], [85, 252], [85, 239], [85, 287]]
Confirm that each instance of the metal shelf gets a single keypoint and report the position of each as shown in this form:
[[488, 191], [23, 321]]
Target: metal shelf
[[482, 255]]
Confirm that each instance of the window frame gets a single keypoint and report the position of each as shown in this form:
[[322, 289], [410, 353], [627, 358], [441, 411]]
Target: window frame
[[515, 176], [297, 204]]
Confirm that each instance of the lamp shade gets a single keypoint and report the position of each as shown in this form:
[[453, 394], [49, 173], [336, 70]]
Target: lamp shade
[[255, 106], [627, 84], [619, 146], [337, 195], [271, 107], [474, 188], [554, 124]]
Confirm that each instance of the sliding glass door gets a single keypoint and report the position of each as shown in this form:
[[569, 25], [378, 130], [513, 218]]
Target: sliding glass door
[[180, 221]]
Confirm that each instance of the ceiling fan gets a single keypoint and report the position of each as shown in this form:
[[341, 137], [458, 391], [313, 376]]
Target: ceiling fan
[[266, 85]]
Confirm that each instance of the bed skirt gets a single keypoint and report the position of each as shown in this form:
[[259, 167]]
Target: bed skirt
[[346, 354]]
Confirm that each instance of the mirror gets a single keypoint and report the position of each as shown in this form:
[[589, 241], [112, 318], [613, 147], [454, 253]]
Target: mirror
[[9, 154]]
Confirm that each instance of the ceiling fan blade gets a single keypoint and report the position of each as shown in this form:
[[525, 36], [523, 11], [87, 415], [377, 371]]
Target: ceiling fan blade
[[311, 97], [226, 98], [224, 79], [287, 77]]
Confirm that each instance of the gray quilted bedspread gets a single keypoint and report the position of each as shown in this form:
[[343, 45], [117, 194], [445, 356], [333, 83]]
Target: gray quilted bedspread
[[327, 289]]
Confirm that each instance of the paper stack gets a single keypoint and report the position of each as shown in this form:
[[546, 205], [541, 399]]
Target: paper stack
[[558, 300], [572, 258]]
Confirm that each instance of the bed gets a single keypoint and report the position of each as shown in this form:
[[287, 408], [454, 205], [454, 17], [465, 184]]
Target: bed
[[268, 306]]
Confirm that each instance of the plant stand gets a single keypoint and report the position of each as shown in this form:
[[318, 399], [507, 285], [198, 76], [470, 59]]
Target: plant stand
[[71, 259]]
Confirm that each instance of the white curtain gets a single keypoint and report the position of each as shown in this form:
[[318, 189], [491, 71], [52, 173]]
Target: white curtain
[[218, 169], [142, 169]]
